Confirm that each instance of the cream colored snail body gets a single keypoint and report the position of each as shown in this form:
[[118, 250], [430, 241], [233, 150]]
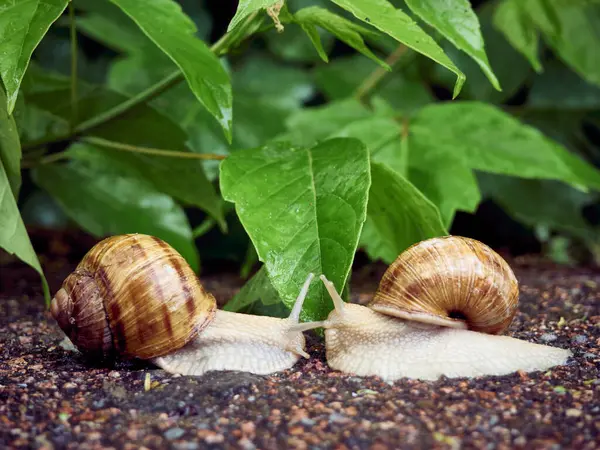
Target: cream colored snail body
[[437, 311], [135, 296]]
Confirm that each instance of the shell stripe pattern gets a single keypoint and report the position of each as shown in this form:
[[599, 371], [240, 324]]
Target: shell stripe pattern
[[153, 300], [451, 281]]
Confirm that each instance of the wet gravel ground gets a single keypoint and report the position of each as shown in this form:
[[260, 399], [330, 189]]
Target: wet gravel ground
[[52, 398]]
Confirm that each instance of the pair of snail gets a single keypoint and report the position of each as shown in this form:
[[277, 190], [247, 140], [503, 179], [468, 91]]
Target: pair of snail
[[438, 311]]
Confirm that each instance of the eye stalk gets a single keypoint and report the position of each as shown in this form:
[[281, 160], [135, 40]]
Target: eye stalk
[[412, 329]]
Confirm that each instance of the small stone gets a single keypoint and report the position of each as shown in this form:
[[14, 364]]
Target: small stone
[[337, 418], [307, 422], [548, 337], [69, 385], [572, 412], [246, 444], [185, 446], [580, 339], [174, 433], [248, 429], [214, 438]]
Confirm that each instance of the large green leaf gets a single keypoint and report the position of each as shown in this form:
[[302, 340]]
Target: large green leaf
[[340, 78], [303, 209], [173, 31], [511, 19], [345, 30], [247, 7], [23, 23], [13, 235], [535, 203], [457, 22], [142, 126], [572, 30], [449, 185], [310, 125], [394, 22], [398, 215], [483, 137], [100, 194], [10, 147]]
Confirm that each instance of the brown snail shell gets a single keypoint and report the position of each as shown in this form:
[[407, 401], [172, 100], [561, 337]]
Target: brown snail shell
[[451, 281], [132, 295]]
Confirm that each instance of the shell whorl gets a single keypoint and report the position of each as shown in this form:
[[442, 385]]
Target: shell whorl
[[132, 295], [451, 281]]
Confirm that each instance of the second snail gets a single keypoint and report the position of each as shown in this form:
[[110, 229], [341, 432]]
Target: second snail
[[439, 311]]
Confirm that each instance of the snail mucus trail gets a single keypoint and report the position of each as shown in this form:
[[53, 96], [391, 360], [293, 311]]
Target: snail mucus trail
[[135, 296], [437, 312]]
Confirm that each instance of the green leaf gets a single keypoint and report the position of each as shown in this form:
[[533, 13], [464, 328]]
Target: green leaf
[[511, 68], [294, 44], [383, 16], [573, 31], [10, 147], [345, 30], [449, 185], [310, 125], [282, 85], [247, 7], [340, 78], [173, 31], [13, 235], [105, 199], [535, 203], [141, 126], [107, 24], [457, 22], [258, 289], [511, 19], [23, 23], [398, 216], [561, 88], [303, 210], [483, 137]]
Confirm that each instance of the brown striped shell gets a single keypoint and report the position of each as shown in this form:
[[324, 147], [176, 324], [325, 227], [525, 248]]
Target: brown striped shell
[[451, 281], [132, 295]]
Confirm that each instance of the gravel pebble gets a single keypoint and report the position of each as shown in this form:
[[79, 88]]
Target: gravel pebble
[[51, 397]]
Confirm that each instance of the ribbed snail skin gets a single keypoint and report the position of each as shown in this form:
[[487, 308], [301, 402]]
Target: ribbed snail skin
[[256, 344], [153, 300], [362, 342], [451, 281]]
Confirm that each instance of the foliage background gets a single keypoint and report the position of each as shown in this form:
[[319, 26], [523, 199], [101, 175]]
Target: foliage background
[[323, 139]]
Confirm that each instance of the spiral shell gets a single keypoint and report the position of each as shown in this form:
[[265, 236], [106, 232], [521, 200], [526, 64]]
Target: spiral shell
[[132, 295], [451, 281]]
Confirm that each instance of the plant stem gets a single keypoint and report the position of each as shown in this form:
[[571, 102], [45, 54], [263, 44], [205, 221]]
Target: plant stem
[[153, 91], [377, 75], [149, 151], [73, 32]]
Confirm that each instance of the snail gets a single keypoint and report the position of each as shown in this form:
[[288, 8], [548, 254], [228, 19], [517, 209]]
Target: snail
[[437, 312], [134, 296]]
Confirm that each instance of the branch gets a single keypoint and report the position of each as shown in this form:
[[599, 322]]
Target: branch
[[149, 151], [153, 91], [377, 75]]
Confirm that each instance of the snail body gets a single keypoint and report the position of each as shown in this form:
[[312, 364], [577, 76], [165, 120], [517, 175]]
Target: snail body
[[134, 296], [437, 312]]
